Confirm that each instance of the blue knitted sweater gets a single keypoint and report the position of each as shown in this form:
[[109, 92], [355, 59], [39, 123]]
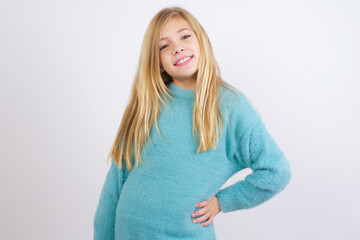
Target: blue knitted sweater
[[156, 201]]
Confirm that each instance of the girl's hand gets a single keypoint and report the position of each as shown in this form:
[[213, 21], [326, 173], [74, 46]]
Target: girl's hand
[[210, 208]]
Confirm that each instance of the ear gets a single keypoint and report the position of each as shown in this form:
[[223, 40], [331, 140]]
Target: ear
[[162, 69]]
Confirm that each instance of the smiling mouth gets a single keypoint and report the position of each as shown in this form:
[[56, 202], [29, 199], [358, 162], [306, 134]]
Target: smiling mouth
[[182, 62]]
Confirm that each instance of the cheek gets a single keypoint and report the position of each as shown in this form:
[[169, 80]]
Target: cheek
[[198, 47], [161, 61], [164, 61], [195, 47]]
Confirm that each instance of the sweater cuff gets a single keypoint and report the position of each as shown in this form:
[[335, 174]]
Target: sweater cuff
[[226, 199]]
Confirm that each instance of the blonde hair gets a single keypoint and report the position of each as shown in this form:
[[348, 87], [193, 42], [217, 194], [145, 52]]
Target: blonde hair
[[150, 87]]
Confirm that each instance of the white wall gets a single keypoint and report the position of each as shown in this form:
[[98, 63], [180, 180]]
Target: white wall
[[66, 68]]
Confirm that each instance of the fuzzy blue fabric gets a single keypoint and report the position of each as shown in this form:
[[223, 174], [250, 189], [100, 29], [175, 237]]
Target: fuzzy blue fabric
[[156, 201]]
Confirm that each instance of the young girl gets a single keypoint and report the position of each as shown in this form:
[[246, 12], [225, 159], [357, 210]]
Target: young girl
[[191, 131]]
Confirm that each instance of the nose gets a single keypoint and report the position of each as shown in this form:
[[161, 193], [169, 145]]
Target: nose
[[177, 49]]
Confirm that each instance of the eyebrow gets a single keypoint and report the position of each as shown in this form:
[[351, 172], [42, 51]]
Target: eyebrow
[[176, 32]]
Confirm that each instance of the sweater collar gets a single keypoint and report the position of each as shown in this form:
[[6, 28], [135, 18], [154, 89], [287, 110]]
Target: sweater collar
[[181, 92]]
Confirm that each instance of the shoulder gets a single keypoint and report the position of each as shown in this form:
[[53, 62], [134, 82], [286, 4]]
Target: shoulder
[[229, 95], [238, 106]]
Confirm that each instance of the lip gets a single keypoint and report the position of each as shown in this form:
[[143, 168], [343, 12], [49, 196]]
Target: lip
[[181, 64]]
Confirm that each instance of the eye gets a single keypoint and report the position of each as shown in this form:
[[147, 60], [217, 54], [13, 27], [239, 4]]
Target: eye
[[184, 37], [163, 47]]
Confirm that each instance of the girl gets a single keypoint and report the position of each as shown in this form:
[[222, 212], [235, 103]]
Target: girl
[[172, 123]]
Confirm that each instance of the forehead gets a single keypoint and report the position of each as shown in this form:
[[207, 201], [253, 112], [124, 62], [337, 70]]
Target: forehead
[[173, 26]]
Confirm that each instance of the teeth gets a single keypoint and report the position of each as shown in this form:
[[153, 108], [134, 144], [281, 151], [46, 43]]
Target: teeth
[[184, 60]]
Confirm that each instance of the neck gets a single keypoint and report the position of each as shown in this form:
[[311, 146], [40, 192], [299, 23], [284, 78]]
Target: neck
[[186, 84], [180, 92]]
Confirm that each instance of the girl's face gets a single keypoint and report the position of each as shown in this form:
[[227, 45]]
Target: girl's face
[[179, 52]]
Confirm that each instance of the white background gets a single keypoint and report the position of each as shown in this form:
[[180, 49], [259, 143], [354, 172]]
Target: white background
[[66, 68]]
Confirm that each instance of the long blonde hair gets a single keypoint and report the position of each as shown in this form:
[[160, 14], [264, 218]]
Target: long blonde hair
[[150, 87]]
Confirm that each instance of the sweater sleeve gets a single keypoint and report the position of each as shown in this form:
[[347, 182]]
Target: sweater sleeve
[[254, 148], [104, 220]]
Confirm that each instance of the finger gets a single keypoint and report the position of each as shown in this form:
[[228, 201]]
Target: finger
[[202, 218], [202, 204], [200, 212], [208, 222]]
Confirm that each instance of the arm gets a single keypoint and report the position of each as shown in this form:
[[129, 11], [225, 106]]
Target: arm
[[104, 221], [255, 149]]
